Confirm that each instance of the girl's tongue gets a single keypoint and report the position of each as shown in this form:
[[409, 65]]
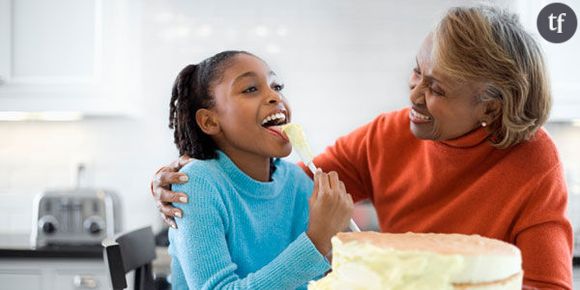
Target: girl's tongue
[[278, 130]]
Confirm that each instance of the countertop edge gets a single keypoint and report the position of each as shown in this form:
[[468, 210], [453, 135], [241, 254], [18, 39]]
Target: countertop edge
[[47, 254]]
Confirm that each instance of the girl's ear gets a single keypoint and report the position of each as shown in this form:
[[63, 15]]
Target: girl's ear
[[207, 121]]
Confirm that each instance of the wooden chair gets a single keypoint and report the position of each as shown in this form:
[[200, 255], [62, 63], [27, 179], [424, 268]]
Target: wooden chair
[[131, 251]]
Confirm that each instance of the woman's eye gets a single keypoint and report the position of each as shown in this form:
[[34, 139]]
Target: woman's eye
[[416, 71], [278, 87], [437, 92], [250, 90]]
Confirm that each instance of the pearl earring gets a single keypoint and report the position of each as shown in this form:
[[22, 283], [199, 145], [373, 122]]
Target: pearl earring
[[483, 124]]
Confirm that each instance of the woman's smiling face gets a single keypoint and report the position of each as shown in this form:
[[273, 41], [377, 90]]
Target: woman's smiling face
[[248, 102], [442, 108]]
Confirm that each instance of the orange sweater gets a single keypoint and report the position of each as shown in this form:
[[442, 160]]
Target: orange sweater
[[462, 186]]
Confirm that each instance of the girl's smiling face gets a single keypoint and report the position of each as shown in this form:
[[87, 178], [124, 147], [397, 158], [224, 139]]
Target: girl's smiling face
[[248, 101]]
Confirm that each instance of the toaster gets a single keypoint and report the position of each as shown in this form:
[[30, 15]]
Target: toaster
[[75, 217]]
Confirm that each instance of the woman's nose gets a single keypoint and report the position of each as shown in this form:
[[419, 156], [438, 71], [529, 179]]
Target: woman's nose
[[417, 94]]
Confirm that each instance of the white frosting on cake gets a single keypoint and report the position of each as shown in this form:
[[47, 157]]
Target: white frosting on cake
[[371, 260], [512, 283]]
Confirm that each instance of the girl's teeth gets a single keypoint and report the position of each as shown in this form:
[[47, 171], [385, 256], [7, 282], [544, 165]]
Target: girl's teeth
[[274, 117]]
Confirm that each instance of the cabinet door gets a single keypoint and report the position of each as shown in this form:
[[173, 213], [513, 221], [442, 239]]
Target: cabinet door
[[5, 44], [577, 278], [81, 279], [21, 280], [66, 55], [50, 46]]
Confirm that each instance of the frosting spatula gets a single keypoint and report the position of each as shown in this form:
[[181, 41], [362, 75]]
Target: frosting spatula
[[297, 138]]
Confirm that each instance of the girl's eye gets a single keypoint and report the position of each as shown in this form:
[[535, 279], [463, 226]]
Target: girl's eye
[[250, 90], [416, 71], [278, 87]]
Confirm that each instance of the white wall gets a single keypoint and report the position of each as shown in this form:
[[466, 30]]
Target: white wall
[[343, 62]]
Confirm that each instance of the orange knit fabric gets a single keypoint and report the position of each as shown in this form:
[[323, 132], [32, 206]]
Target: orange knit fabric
[[462, 186]]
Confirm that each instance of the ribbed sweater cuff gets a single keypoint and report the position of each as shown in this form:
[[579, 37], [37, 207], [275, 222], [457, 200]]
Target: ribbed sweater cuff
[[300, 262], [310, 256]]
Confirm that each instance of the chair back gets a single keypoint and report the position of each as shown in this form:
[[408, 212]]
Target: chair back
[[131, 251]]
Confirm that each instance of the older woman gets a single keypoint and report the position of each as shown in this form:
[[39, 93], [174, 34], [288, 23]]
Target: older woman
[[469, 156]]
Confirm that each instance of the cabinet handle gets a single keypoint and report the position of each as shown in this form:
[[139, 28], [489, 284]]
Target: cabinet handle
[[85, 282]]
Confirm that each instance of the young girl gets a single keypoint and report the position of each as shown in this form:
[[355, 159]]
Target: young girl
[[250, 222]]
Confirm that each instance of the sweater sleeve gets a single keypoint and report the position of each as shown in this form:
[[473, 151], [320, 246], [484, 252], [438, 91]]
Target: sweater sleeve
[[201, 248], [349, 158], [544, 235]]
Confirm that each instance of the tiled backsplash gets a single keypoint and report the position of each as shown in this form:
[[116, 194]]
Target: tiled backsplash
[[40, 156], [46, 161]]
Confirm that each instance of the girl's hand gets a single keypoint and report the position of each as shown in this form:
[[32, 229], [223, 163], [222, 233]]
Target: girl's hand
[[330, 210], [161, 189]]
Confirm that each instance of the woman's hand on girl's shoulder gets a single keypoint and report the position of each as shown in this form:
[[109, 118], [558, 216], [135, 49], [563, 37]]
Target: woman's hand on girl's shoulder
[[162, 193]]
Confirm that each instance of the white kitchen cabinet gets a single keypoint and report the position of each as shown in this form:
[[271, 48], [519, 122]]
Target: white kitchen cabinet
[[561, 60], [68, 55], [21, 280], [53, 274], [576, 278]]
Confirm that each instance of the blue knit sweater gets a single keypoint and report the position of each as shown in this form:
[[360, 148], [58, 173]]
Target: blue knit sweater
[[239, 233]]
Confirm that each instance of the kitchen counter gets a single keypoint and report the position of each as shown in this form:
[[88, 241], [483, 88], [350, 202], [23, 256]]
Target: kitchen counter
[[54, 252], [18, 246]]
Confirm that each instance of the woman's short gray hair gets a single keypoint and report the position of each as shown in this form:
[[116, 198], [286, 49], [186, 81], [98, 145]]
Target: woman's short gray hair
[[490, 46]]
